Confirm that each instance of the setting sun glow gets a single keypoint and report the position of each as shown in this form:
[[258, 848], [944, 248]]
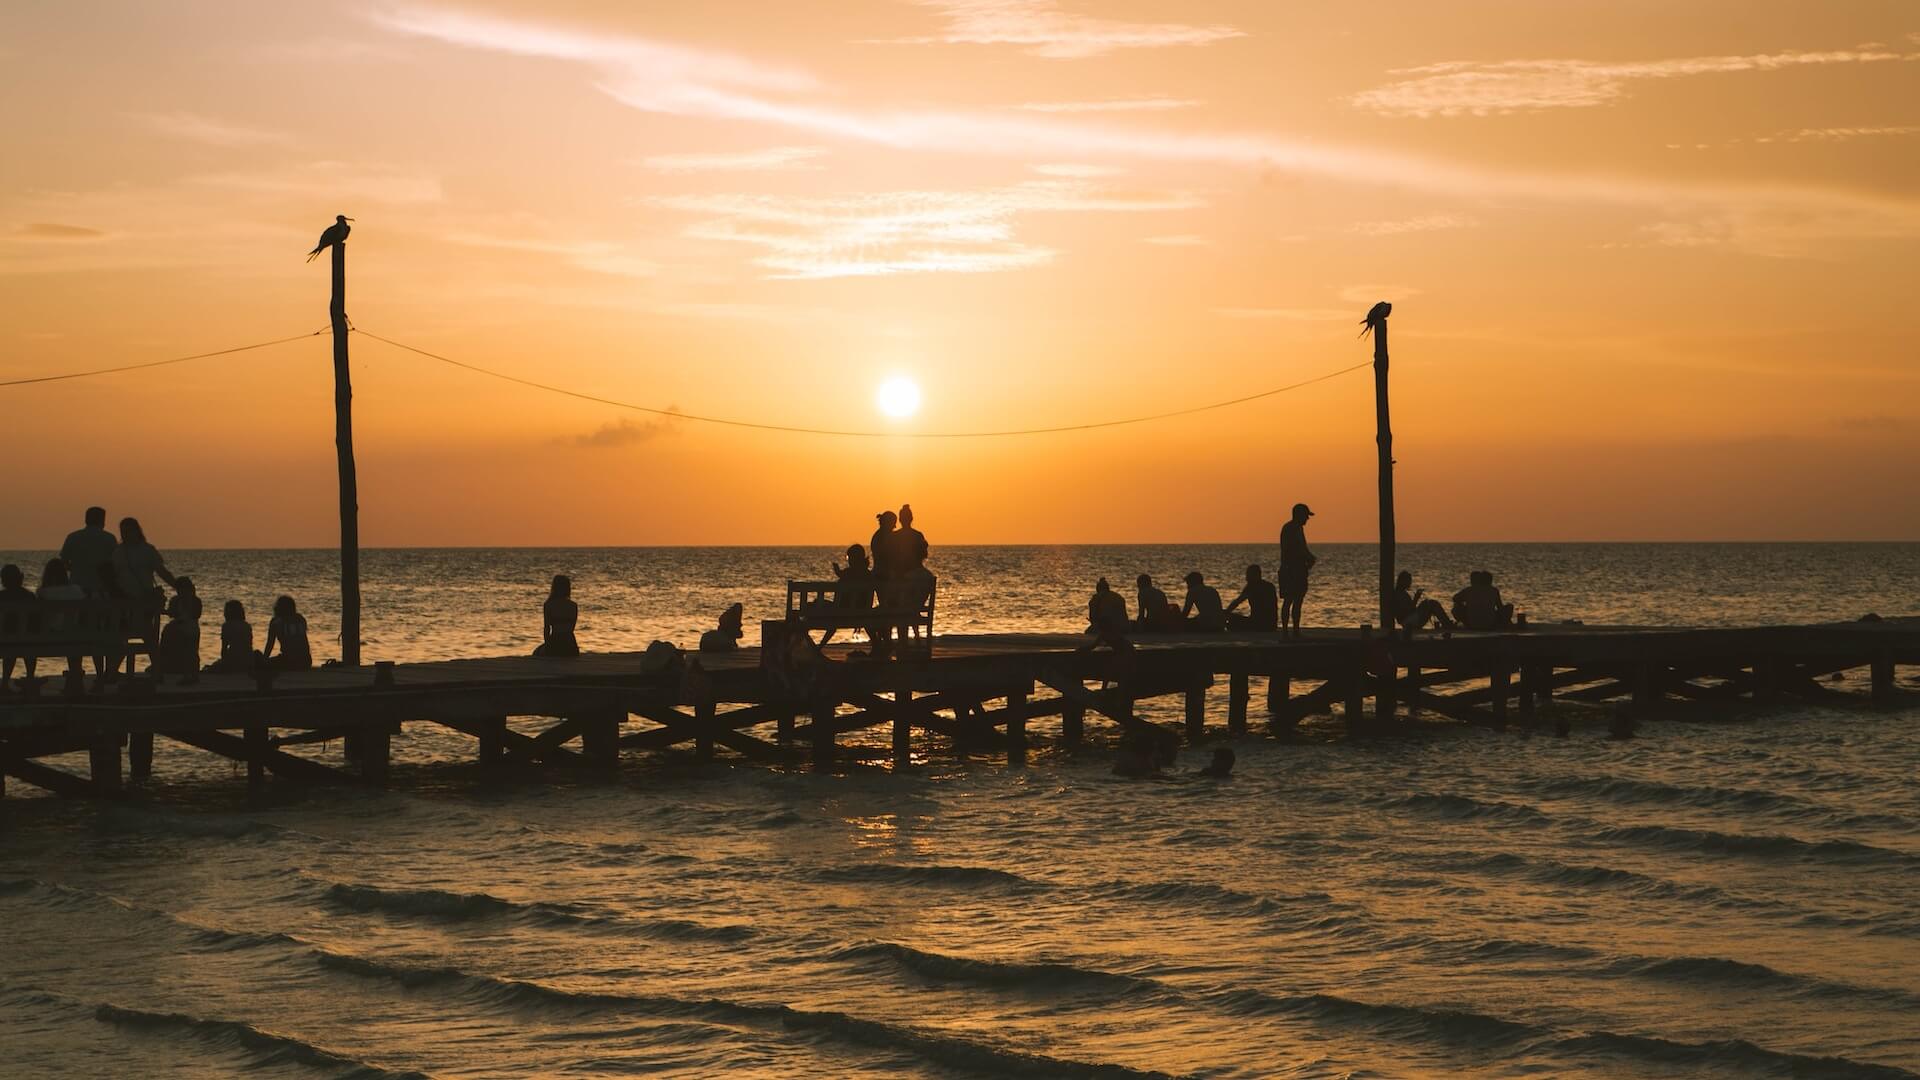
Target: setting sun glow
[[898, 397]]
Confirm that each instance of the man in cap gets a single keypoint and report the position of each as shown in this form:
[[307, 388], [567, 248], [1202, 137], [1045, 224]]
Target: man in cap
[[1295, 561]]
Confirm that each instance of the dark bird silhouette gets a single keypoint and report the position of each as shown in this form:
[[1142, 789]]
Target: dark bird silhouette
[[336, 233], [1376, 315]]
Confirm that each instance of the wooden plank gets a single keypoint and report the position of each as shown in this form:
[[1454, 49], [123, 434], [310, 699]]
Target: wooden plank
[[281, 762], [51, 779]]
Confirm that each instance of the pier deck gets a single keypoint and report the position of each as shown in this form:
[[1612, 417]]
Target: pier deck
[[978, 692]]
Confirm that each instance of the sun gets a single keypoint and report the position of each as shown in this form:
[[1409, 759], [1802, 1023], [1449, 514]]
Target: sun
[[898, 397]]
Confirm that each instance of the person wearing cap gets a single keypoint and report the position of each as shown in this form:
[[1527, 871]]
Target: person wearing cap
[[1295, 561], [1202, 610]]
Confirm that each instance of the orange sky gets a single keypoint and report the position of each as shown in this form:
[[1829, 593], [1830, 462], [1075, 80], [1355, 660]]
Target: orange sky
[[1651, 266]]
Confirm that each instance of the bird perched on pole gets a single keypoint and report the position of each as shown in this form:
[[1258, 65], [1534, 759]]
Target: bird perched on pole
[[336, 233], [1376, 315]]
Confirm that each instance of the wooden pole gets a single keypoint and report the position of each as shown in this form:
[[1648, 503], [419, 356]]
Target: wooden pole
[[349, 481], [1383, 436]]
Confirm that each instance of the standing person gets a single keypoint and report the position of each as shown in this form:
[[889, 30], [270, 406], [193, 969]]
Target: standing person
[[288, 629], [86, 549], [1202, 608], [1263, 604], [558, 616], [916, 581], [1295, 561], [881, 547], [135, 564]]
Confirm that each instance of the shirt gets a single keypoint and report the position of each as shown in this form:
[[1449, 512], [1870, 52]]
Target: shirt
[[83, 552], [135, 566], [1263, 602], [1293, 545]]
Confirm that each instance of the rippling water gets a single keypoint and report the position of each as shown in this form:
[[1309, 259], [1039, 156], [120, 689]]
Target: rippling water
[[1735, 893]]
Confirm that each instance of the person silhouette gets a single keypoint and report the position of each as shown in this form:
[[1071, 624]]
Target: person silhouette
[[1201, 611], [236, 640], [287, 629], [856, 589], [1263, 604], [558, 617], [21, 601], [179, 652], [881, 547], [1222, 765], [1295, 562], [1478, 606], [86, 549], [1106, 618], [1412, 611], [1152, 602], [726, 636]]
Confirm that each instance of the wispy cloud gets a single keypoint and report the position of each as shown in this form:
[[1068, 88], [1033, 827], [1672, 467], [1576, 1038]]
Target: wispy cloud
[[624, 432], [901, 232], [1460, 88], [57, 233], [725, 87], [596, 255], [1078, 171], [194, 127], [1177, 240], [1139, 104], [1838, 134], [771, 159], [1423, 223], [1041, 28], [331, 181]]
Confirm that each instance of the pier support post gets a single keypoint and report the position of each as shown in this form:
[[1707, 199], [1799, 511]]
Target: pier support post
[[1237, 694], [139, 755], [1646, 685], [103, 763], [493, 742], [704, 712], [1197, 710], [1882, 679], [256, 744], [783, 726], [1499, 682], [1766, 680], [1357, 684], [1280, 701], [823, 712], [1529, 680], [600, 740], [1073, 723], [1017, 724], [902, 730], [1413, 690], [376, 752]]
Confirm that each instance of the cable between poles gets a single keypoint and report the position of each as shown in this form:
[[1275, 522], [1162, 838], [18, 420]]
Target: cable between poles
[[159, 363]]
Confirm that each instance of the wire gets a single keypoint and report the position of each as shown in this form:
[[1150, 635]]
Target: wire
[[1005, 433], [159, 363]]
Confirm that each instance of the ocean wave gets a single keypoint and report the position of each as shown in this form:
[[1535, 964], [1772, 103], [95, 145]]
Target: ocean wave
[[1706, 796], [1741, 974], [946, 1050], [1043, 977], [1761, 845], [264, 1049], [1727, 1053], [451, 906], [960, 877], [1462, 808]]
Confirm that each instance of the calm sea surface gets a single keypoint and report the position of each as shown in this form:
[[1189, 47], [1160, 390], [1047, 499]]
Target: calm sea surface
[[1735, 893]]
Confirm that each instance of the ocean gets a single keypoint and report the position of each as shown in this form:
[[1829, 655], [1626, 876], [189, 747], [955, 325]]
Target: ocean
[[1733, 893]]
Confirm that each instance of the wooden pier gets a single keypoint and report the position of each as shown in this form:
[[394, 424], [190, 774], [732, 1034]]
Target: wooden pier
[[978, 693]]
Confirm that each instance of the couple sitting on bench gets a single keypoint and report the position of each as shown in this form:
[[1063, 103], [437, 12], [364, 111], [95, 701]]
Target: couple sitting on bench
[[894, 591]]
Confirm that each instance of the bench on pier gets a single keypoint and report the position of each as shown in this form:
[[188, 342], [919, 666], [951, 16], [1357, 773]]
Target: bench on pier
[[813, 605], [70, 628]]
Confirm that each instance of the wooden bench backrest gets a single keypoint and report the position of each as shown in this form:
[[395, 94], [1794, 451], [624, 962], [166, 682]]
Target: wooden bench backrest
[[71, 620], [802, 593]]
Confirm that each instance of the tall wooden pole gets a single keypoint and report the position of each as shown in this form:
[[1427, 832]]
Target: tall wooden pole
[[349, 482], [1383, 425]]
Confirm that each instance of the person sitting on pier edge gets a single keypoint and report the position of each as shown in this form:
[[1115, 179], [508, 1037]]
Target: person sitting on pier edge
[[726, 636], [19, 600], [558, 617], [287, 629], [236, 640], [1107, 620], [1156, 612], [1263, 604], [856, 586], [1295, 562], [180, 642], [1412, 609], [1202, 610], [86, 549], [1478, 606]]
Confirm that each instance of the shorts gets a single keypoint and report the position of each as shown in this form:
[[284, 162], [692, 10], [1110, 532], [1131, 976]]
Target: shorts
[[1293, 582]]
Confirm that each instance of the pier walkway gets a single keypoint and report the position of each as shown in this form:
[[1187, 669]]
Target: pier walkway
[[976, 692]]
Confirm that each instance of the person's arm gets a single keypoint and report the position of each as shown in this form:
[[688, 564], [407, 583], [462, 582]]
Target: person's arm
[[160, 568], [1243, 598], [273, 635]]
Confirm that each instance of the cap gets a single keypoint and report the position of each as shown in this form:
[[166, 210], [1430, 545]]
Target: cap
[[1298, 507]]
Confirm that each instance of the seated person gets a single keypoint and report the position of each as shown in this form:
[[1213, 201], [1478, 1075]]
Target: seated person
[[1156, 612], [19, 600], [236, 640], [857, 586], [1202, 610], [1107, 620], [179, 652], [725, 637], [287, 629], [558, 617], [1263, 604], [1413, 610], [1478, 606], [1222, 764]]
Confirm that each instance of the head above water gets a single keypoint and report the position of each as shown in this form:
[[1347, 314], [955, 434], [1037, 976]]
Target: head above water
[[131, 532], [96, 517]]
